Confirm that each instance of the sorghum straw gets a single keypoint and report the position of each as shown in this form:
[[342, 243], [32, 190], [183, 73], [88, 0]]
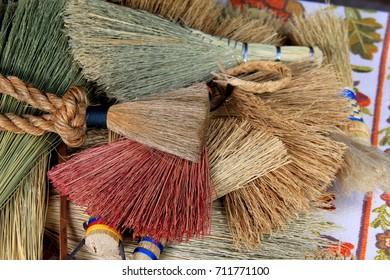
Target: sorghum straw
[[132, 53]]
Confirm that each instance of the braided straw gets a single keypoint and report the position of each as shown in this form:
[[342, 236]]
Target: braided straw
[[229, 76], [67, 114]]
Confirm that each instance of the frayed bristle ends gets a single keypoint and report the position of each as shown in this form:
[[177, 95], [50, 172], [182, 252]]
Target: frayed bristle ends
[[174, 122], [367, 168], [134, 187]]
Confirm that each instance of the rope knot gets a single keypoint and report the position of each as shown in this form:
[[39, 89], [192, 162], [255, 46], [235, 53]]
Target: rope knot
[[69, 118], [65, 116]]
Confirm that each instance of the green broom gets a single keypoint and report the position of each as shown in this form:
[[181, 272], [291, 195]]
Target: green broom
[[132, 53]]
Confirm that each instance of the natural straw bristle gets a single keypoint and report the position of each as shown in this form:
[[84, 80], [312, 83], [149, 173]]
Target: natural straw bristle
[[239, 154], [175, 122], [131, 53], [136, 187], [365, 165], [297, 241]]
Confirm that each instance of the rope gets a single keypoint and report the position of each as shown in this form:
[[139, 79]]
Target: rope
[[66, 115], [228, 76]]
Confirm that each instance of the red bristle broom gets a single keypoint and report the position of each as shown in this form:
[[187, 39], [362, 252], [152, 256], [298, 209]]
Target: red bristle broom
[[133, 186]]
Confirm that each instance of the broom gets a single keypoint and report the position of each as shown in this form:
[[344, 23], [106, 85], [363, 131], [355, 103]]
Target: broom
[[140, 53], [149, 121], [297, 242], [330, 32], [315, 159], [133, 186]]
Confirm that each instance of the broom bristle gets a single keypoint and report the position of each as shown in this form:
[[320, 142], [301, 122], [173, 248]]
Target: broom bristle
[[364, 165], [239, 154], [133, 186], [175, 122], [132, 53]]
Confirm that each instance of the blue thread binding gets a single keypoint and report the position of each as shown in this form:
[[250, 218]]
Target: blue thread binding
[[145, 252], [245, 51], [278, 53], [97, 116], [153, 241]]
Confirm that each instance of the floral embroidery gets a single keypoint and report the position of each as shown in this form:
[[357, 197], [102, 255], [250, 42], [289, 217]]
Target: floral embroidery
[[383, 241]]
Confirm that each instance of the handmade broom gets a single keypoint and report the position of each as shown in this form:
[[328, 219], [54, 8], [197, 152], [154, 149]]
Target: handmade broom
[[297, 242], [367, 168], [288, 190], [149, 121], [147, 191], [132, 53]]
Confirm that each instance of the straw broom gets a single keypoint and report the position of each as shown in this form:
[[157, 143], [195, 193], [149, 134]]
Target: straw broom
[[367, 168], [288, 190], [132, 186], [297, 242], [140, 53], [149, 121]]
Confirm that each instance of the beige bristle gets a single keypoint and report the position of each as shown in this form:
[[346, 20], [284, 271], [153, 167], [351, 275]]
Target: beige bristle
[[238, 154], [175, 122], [365, 166]]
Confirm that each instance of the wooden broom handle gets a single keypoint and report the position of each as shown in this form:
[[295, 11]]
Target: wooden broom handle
[[67, 115]]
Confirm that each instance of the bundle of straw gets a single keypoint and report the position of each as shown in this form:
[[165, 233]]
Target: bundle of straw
[[297, 242], [367, 168], [140, 53]]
